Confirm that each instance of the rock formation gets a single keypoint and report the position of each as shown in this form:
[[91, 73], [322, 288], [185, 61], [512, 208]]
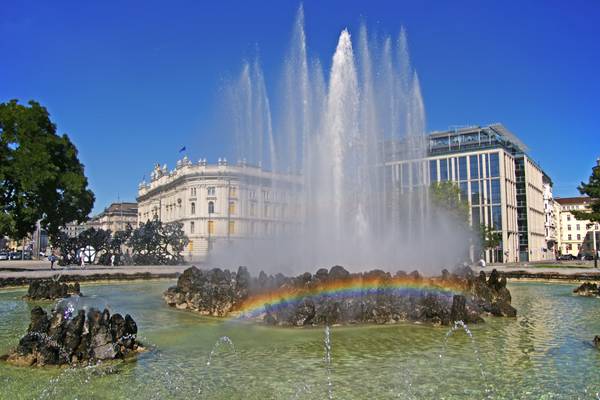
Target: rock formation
[[51, 290], [588, 289], [376, 296], [66, 337]]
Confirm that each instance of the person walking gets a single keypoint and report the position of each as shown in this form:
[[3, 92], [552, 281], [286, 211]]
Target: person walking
[[82, 259], [112, 260], [52, 261]]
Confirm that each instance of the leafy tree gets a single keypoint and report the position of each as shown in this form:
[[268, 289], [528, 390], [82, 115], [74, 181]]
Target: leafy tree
[[591, 189], [114, 247], [68, 248], [99, 239], [447, 197], [41, 177], [488, 238], [157, 243]]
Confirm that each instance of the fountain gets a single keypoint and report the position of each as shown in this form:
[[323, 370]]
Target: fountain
[[337, 134]]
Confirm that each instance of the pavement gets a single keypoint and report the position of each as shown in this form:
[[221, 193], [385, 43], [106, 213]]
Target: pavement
[[35, 269]]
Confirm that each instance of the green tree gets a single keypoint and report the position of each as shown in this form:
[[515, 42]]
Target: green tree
[[41, 177], [447, 197], [591, 189], [488, 238], [157, 243]]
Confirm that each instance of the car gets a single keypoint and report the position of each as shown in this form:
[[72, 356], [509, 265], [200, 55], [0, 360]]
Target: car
[[4, 255], [588, 257], [567, 257], [16, 255]]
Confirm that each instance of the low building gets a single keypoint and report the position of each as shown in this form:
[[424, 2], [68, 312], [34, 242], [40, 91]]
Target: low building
[[504, 187], [116, 217], [221, 202], [576, 235], [73, 229]]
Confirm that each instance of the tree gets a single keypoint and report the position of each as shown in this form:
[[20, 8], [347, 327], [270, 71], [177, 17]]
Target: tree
[[41, 177], [591, 189], [447, 197], [489, 238], [157, 243]]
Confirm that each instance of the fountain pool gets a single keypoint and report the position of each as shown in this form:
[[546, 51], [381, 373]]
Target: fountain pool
[[546, 353]]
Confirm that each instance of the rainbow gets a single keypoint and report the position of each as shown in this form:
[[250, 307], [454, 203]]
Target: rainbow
[[354, 287]]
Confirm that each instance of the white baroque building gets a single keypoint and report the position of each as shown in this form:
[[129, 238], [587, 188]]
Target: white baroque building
[[217, 202]]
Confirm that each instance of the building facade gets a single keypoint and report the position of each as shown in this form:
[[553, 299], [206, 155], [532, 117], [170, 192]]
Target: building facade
[[221, 202], [503, 186], [116, 217], [576, 236]]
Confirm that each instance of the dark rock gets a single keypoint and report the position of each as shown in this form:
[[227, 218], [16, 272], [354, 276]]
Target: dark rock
[[338, 273], [220, 293], [51, 290], [588, 289], [597, 341], [57, 339]]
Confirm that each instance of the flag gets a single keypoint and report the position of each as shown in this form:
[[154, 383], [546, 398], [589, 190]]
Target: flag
[[182, 149]]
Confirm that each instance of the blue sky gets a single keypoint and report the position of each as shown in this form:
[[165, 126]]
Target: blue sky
[[132, 82]]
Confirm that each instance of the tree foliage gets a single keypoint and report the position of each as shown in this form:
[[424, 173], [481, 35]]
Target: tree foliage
[[446, 197], [591, 189], [41, 177], [488, 237], [155, 243]]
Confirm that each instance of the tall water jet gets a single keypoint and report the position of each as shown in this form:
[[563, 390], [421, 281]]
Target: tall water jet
[[340, 131]]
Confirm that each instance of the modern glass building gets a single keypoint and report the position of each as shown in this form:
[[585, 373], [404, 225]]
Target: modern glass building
[[503, 186]]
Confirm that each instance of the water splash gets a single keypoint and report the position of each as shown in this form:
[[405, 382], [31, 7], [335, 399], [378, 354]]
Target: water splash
[[338, 132], [223, 340], [327, 359], [462, 326]]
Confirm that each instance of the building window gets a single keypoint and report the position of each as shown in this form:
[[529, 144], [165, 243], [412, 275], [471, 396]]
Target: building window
[[474, 167], [497, 217], [578, 236], [444, 169], [266, 210], [569, 247], [211, 207], [210, 191], [252, 208], [211, 227], [233, 192], [568, 217], [232, 227], [193, 192], [192, 227], [475, 193], [577, 227], [193, 208], [432, 170], [569, 237], [231, 207], [494, 165], [495, 186], [568, 227], [462, 168]]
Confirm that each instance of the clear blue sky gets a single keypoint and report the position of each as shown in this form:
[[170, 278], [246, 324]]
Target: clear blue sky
[[131, 82]]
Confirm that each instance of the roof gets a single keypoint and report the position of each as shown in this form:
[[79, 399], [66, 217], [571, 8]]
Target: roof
[[572, 200]]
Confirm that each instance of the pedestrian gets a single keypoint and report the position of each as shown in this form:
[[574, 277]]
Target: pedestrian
[[82, 259], [52, 260], [112, 260]]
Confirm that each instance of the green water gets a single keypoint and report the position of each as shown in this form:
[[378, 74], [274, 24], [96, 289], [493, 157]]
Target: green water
[[545, 353]]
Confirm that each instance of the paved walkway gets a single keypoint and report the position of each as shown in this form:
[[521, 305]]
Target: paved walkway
[[33, 269]]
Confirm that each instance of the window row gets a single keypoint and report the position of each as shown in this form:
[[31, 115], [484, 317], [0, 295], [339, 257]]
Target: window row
[[465, 168]]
